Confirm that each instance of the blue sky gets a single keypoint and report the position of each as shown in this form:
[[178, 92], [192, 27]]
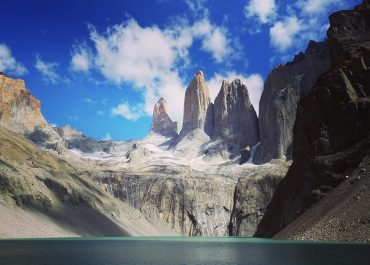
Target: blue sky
[[101, 65]]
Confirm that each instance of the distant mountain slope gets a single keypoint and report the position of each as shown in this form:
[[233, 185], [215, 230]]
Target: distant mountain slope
[[36, 185]]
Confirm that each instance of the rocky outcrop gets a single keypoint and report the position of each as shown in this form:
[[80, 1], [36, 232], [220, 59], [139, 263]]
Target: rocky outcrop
[[198, 119], [161, 121], [284, 87], [235, 119], [331, 135], [253, 193], [197, 107], [19, 110], [67, 132], [74, 139]]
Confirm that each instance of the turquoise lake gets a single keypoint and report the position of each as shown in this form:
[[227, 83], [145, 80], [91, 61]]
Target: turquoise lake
[[189, 251]]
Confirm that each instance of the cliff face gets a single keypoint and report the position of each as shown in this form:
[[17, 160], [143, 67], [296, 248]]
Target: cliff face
[[253, 193], [284, 87], [332, 130], [198, 119], [197, 107], [161, 121], [235, 119], [19, 110], [191, 203]]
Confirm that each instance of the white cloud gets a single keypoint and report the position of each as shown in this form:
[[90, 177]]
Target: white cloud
[[254, 83], [131, 113], [283, 32], [217, 44], [47, 70], [81, 59], [148, 58], [263, 10], [107, 137], [197, 7], [100, 112], [313, 7], [89, 101], [8, 64]]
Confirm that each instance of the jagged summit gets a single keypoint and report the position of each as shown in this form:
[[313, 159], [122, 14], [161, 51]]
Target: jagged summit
[[235, 122], [197, 106], [198, 118], [234, 115], [161, 121]]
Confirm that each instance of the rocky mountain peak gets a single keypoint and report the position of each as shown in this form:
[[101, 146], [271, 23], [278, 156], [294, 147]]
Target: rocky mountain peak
[[234, 116], [19, 110], [197, 113], [67, 132], [161, 121]]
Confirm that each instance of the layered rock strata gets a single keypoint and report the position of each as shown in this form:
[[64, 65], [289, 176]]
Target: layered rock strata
[[191, 203], [19, 110]]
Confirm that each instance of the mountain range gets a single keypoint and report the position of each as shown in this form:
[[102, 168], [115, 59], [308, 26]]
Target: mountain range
[[297, 170]]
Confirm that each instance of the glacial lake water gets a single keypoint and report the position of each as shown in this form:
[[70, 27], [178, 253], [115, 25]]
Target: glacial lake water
[[176, 250]]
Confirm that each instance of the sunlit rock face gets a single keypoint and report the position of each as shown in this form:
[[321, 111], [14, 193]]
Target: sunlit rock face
[[19, 110], [235, 119], [284, 87], [198, 119], [161, 121], [197, 107]]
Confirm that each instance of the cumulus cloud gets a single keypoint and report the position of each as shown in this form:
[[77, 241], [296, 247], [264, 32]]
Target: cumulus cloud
[[263, 10], [217, 44], [81, 59], [127, 111], [148, 58], [312, 7], [254, 83], [47, 70], [283, 32], [298, 22], [8, 64]]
